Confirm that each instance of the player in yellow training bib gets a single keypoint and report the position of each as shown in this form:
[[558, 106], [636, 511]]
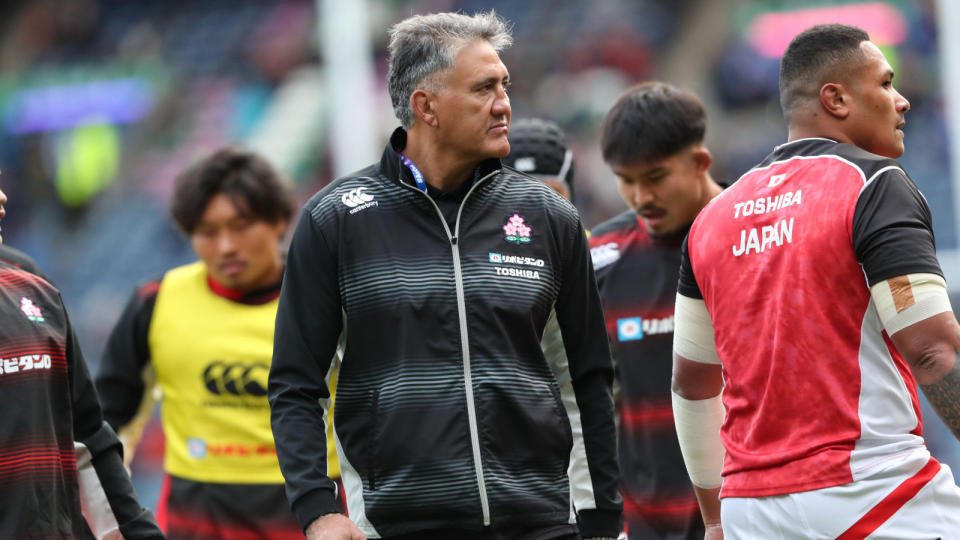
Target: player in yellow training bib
[[201, 339]]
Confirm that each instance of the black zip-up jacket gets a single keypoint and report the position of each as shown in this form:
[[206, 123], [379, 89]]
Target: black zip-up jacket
[[448, 413]]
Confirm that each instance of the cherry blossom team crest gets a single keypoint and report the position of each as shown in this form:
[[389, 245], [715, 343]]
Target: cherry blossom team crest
[[30, 309], [517, 231]]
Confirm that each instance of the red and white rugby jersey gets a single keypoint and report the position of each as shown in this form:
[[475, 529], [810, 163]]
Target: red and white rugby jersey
[[815, 393]]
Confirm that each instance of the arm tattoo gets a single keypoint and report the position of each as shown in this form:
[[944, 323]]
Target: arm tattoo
[[944, 395]]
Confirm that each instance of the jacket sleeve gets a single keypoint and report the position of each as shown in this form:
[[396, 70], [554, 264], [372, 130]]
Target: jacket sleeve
[[125, 377], [579, 314], [107, 499], [309, 322]]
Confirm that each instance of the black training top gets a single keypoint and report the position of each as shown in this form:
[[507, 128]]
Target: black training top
[[52, 425], [637, 277]]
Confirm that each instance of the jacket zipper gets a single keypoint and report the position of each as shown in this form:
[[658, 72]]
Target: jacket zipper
[[464, 343]]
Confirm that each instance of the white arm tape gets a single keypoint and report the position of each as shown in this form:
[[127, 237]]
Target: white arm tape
[[693, 331], [698, 430], [906, 300]]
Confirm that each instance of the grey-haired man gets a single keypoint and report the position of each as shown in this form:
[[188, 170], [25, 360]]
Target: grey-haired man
[[436, 271]]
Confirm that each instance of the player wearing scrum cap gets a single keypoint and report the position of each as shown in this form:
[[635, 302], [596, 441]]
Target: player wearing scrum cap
[[539, 148]]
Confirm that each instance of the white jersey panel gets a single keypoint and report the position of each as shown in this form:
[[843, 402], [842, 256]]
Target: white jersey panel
[[886, 411]]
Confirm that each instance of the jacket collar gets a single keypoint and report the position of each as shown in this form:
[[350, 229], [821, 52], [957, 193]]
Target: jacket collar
[[393, 169]]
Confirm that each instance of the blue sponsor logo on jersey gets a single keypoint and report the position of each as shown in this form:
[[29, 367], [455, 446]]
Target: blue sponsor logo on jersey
[[197, 448], [496, 258], [630, 329]]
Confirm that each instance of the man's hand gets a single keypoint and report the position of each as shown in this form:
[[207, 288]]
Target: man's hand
[[334, 527]]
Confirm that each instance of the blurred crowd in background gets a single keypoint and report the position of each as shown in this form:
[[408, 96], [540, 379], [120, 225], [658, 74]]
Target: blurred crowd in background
[[103, 102]]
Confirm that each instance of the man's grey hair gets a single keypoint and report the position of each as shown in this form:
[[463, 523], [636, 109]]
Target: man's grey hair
[[424, 45]]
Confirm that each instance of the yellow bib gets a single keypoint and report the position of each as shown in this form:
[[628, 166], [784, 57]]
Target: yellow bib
[[212, 357]]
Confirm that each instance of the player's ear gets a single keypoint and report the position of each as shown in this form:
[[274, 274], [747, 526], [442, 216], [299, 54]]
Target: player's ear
[[423, 104], [701, 158], [835, 100]]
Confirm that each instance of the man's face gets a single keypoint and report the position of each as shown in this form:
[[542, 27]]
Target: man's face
[[473, 109], [3, 212], [666, 194], [877, 110], [240, 252]]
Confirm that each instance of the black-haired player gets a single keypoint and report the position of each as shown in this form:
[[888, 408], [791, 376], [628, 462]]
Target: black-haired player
[[652, 139]]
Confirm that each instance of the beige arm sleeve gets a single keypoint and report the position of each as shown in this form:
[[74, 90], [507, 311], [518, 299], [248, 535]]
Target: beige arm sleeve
[[905, 300], [693, 331]]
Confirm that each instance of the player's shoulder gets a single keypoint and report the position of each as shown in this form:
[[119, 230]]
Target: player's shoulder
[[608, 239], [15, 257], [523, 187], [31, 289], [333, 192], [9, 270], [860, 162], [148, 290], [190, 272], [871, 166]]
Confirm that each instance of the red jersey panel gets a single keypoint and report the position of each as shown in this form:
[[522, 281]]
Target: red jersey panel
[[783, 259]]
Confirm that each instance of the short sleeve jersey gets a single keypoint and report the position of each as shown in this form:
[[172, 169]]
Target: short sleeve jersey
[[815, 393]]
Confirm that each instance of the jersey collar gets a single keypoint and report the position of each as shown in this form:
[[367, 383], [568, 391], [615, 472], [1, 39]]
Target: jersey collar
[[259, 296]]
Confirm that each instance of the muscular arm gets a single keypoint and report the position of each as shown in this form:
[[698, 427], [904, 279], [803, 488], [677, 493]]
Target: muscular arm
[[915, 311], [893, 239], [932, 348]]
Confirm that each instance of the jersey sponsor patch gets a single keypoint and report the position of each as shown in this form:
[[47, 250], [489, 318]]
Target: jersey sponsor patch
[[525, 273], [634, 328], [516, 259], [16, 364], [223, 378], [517, 272], [604, 254], [197, 448], [630, 329], [765, 205]]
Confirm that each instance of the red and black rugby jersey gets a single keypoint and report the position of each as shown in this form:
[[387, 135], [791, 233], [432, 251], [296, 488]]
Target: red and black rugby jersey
[[815, 393], [51, 416], [637, 279]]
